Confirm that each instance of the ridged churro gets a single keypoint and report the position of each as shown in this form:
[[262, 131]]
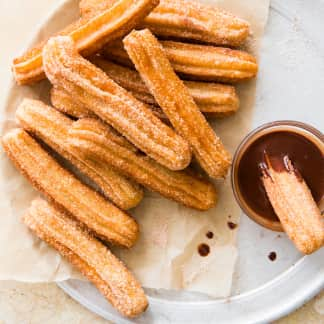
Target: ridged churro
[[93, 139], [89, 6], [198, 62], [66, 104], [126, 78], [196, 21], [52, 128], [176, 102], [92, 87], [89, 34], [187, 20], [67, 192], [212, 98], [88, 255], [293, 203]]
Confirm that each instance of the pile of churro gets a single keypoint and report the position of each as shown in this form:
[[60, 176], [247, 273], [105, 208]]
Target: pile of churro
[[134, 85]]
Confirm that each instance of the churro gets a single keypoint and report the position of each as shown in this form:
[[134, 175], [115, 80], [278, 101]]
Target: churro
[[196, 21], [93, 139], [187, 20], [66, 104], [52, 128], [67, 192], [176, 102], [293, 203], [89, 34], [89, 6], [198, 62], [93, 259], [92, 87], [215, 100]]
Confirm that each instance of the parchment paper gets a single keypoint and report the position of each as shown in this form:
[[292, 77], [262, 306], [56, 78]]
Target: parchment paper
[[166, 254]]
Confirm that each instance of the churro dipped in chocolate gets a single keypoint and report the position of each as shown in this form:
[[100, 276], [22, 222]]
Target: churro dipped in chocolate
[[52, 128], [198, 62], [93, 259], [176, 102], [94, 139], [67, 192], [89, 34], [213, 99], [293, 203], [187, 20], [92, 87]]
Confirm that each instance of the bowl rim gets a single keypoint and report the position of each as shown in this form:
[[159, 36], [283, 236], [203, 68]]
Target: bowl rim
[[266, 128]]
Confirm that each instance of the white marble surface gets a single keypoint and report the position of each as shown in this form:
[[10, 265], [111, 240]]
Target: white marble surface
[[46, 303]]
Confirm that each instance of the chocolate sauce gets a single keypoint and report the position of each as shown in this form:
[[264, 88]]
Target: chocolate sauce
[[209, 234], [203, 249], [307, 163], [279, 164], [231, 225], [272, 256]]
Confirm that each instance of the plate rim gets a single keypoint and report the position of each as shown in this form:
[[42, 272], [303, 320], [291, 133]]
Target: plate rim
[[270, 313]]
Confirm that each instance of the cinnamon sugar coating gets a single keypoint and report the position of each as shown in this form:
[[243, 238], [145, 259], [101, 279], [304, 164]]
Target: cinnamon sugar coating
[[175, 100], [89, 34], [52, 128], [186, 20], [67, 192], [294, 205], [68, 105], [198, 62], [89, 256], [93, 139], [93, 88], [213, 99]]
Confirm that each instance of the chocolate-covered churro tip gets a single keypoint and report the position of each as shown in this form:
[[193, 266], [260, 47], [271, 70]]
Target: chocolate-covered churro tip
[[284, 164], [280, 163], [264, 169]]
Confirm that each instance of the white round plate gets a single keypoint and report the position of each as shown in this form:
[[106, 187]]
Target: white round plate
[[290, 86]]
